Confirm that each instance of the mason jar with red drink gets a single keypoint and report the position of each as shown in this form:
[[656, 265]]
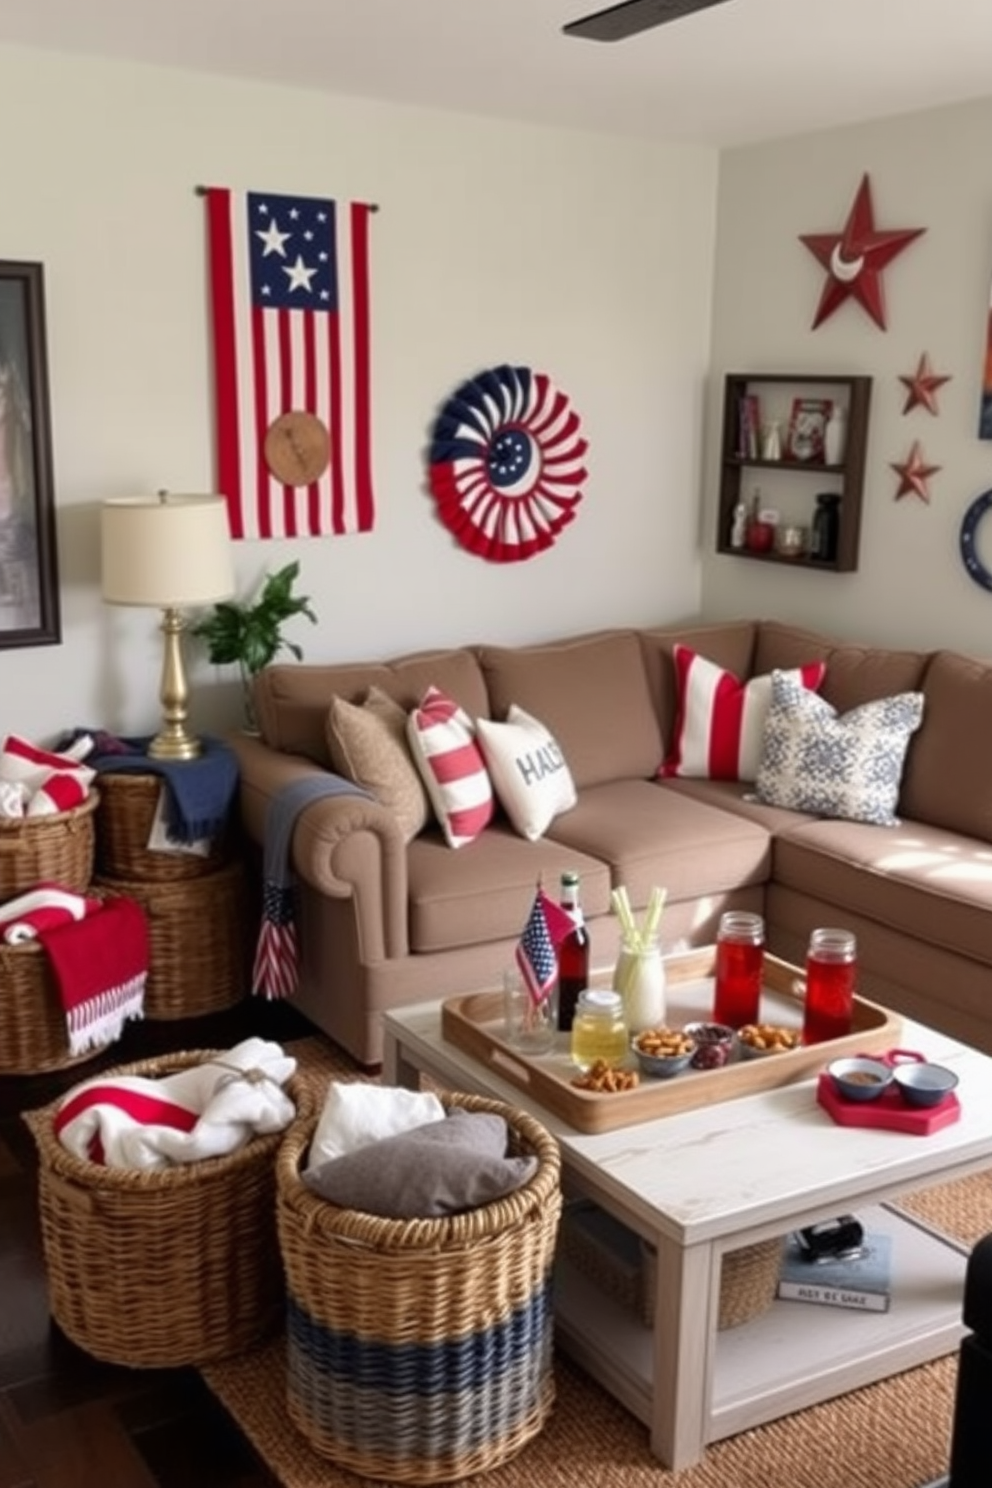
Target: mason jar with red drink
[[831, 974], [740, 960]]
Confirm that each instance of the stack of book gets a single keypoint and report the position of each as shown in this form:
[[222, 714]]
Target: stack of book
[[859, 1281]]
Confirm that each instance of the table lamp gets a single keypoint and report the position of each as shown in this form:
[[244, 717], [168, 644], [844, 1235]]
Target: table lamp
[[170, 552]]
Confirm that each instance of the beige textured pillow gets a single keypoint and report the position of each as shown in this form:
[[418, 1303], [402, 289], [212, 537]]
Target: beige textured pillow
[[367, 742]]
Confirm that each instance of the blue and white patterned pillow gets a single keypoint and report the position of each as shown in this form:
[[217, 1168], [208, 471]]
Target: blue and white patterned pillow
[[834, 764]]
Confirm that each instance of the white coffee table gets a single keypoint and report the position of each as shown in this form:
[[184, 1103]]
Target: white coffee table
[[704, 1182]]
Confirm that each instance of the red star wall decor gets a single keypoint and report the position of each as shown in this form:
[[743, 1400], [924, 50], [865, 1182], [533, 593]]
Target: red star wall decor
[[922, 387], [914, 474], [855, 257]]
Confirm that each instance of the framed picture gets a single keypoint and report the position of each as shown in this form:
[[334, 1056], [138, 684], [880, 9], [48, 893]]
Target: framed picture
[[29, 589], [807, 424]]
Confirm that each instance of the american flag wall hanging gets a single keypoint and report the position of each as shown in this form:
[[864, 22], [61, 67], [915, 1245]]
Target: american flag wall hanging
[[290, 320]]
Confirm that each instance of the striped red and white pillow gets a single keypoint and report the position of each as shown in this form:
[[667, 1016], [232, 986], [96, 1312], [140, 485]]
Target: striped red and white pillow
[[719, 719], [442, 742]]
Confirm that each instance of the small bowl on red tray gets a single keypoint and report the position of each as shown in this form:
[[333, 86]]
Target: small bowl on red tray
[[861, 1078], [924, 1084]]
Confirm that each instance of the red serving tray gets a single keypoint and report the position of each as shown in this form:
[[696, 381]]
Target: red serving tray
[[889, 1111]]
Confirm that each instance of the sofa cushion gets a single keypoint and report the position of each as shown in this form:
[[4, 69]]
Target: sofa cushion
[[291, 700], [720, 718], [838, 765], [442, 742], [368, 743], [592, 694], [529, 773], [649, 834], [484, 892], [855, 674], [947, 781], [920, 882]]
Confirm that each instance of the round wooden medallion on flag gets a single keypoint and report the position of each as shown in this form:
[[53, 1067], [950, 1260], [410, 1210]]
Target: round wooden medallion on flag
[[297, 448], [506, 463]]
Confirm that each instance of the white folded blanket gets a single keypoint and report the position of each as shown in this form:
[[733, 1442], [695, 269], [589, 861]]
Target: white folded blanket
[[355, 1114], [207, 1110]]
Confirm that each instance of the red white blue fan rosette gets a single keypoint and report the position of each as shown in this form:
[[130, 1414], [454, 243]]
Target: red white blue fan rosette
[[506, 465]]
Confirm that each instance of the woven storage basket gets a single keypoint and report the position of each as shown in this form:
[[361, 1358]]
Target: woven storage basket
[[33, 1036], [623, 1266], [167, 1268], [199, 941], [53, 849], [421, 1350], [123, 823]]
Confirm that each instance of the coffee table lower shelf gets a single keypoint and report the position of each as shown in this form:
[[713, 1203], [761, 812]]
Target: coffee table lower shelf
[[796, 1353]]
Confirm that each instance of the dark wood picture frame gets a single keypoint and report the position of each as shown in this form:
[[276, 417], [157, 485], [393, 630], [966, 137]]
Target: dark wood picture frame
[[29, 587]]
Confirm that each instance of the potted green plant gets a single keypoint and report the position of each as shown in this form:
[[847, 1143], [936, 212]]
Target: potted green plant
[[249, 635]]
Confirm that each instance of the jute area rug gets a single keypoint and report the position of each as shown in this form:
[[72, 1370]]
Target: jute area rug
[[895, 1434]]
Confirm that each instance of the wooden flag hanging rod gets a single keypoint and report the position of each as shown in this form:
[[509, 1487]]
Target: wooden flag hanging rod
[[204, 190]]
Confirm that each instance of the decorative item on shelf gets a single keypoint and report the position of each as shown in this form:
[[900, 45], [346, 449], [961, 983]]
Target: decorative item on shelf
[[791, 542], [855, 257], [749, 423], [807, 429], [761, 532], [914, 474], [168, 552], [835, 434], [921, 387], [250, 635], [771, 441], [826, 528], [738, 530]]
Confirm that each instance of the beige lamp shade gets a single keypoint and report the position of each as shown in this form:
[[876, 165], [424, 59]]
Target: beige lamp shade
[[168, 550]]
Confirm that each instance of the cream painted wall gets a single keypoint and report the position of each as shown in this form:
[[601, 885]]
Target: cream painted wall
[[586, 257], [927, 170]]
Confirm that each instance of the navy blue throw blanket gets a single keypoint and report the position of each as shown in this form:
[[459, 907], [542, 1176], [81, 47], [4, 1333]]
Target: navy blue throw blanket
[[199, 793]]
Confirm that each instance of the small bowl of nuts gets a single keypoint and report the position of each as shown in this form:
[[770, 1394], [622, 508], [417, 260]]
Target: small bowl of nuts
[[663, 1052], [714, 1044], [759, 1039]]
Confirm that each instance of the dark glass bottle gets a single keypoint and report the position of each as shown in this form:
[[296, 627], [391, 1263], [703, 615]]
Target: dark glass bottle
[[573, 954], [826, 528]]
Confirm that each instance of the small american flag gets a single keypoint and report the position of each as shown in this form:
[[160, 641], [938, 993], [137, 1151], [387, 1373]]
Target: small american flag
[[276, 969], [289, 279], [537, 951]]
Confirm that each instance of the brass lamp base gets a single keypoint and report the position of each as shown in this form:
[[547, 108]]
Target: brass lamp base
[[174, 741]]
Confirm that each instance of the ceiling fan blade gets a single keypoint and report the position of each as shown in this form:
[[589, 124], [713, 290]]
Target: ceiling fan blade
[[620, 21]]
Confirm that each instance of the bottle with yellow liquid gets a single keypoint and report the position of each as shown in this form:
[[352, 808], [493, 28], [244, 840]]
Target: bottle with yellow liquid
[[599, 1029]]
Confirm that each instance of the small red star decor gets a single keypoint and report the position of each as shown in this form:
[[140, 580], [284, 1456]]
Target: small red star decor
[[922, 387], [854, 258], [914, 474]]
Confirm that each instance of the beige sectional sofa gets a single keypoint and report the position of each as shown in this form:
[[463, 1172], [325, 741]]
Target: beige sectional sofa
[[384, 922]]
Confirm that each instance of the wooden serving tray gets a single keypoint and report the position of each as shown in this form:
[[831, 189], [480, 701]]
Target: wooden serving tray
[[474, 1022]]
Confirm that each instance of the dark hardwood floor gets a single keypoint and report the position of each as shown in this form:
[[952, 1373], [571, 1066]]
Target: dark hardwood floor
[[66, 1420]]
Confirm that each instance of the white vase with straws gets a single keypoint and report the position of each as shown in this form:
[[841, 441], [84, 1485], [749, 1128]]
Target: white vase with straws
[[639, 975]]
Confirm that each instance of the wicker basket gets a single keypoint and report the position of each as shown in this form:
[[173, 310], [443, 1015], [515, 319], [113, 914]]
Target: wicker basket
[[421, 1350], [166, 1268], [48, 849], [199, 941], [624, 1266], [127, 809], [33, 1036]]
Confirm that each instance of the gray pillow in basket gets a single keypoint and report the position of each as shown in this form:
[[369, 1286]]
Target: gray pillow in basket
[[442, 1168]]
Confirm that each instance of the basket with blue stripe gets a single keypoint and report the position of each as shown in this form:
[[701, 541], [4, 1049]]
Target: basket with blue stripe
[[420, 1350]]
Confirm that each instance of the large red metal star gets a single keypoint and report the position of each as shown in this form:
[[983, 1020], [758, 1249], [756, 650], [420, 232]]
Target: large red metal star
[[923, 387], [854, 259], [914, 474]]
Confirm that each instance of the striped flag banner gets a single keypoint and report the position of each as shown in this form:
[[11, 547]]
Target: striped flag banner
[[290, 318]]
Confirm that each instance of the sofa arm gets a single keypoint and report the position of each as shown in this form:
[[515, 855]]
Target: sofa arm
[[346, 847]]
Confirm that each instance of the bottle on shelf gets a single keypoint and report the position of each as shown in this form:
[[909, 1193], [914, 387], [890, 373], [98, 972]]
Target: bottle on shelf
[[826, 528], [738, 531], [835, 435], [573, 953]]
